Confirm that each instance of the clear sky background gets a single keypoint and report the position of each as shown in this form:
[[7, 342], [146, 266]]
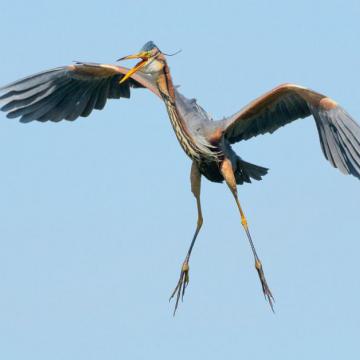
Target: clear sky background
[[96, 216]]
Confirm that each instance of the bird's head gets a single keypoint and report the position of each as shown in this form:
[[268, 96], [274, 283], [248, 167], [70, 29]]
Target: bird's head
[[152, 61]]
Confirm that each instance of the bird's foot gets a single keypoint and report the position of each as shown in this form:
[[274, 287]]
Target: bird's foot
[[179, 290], [265, 287]]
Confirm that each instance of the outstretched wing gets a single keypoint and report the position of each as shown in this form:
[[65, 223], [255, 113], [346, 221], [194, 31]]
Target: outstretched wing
[[339, 134], [68, 92]]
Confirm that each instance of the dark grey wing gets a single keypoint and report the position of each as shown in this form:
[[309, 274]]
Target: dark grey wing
[[68, 92], [339, 134]]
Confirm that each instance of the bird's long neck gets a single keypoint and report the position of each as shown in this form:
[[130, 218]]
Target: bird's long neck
[[167, 91], [164, 82]]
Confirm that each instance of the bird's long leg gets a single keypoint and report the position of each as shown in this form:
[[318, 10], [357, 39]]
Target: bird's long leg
[[179, 290], [228, 174]]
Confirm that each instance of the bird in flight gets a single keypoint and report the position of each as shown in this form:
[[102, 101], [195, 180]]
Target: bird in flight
[[69, 92]]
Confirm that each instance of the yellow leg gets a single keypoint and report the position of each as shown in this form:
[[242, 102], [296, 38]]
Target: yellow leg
[[228, 174], [195, 178]]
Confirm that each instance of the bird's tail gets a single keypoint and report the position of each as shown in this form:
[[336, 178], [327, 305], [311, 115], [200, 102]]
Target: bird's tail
[[246, 171]]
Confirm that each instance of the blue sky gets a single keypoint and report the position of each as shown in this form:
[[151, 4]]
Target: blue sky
[[97, 215]]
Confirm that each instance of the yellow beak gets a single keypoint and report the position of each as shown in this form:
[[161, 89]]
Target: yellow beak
[[141, 55]]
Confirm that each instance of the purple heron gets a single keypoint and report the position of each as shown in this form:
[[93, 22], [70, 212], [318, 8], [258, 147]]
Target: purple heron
[[76, 90]]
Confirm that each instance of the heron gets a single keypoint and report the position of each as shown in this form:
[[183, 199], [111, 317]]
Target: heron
[[75, 90]]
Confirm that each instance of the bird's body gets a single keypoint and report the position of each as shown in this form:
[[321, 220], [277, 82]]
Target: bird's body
[[200, 136], [75, 90], [206, 133]]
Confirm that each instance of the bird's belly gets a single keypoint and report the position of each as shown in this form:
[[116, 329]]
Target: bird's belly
[[211, 171]]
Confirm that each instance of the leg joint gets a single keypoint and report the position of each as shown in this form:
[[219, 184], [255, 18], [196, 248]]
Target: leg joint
[[200, 221], [258, 265], [244, 222]]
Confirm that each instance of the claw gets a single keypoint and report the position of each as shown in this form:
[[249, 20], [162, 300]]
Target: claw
[[181, 285], [265, 288]]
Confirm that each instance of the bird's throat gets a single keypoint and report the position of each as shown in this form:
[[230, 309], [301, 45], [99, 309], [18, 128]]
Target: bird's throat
[[165, 84]]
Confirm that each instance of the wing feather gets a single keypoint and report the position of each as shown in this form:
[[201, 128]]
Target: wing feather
[[92, 101], [56, 111], [69, 92], [102, 96], [38, 108], [339, 134]]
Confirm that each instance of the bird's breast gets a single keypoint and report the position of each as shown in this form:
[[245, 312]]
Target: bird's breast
[[181, 132]]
